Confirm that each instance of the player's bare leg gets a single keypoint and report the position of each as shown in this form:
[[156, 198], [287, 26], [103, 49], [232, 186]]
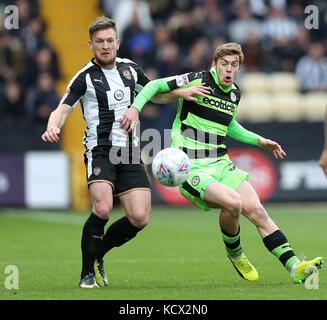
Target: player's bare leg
[[218, 195], [254, 210]]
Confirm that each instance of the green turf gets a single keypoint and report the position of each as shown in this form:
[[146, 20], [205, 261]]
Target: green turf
[[179, 255]]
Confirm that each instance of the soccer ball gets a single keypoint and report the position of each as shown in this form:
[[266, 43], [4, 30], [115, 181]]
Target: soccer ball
[[171, 167]]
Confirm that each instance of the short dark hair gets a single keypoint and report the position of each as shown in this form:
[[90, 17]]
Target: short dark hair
[[102, 23]]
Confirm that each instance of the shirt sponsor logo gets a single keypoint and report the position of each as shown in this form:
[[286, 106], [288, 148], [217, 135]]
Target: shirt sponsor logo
[[119, 95], [220, 104]]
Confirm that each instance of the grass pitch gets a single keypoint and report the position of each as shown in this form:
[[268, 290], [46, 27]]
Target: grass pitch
[[178, 256]]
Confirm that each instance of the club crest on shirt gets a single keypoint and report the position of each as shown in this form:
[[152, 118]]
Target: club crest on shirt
[[195, 180], [233, 96], [127, 74], [96, 171]]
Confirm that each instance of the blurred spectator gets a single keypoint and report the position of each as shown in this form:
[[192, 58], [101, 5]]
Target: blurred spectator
[[169, 62], [44, 60], [278, 27], [199, 56], [215, 22], [167, 58], [32, 36], [296, 11], [161, 10], [244, 24], [289, 55], [138, 43], [11, 103], [255, 58], [42, 99], [258, 8], [190, 28], [12, 60], [278, 31], [109, 6], [311, 69], [124, 11], [27, 9]]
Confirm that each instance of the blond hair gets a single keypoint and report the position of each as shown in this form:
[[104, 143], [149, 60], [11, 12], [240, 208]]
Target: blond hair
[[228, 49], [102, 23]]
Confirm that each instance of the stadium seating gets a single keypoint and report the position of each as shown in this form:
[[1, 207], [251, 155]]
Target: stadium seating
[[283, 82], [255, 107], [314, 106], [288, 106], [254, 82], [277, 96]]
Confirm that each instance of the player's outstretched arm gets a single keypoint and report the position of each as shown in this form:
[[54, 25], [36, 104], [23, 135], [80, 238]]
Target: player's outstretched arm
[[56, 121], [237, 132]]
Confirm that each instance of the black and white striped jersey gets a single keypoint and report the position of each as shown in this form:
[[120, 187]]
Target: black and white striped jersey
[[104, 96]]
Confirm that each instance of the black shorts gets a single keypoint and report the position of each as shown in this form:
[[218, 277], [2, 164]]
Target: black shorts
[[123, 177]]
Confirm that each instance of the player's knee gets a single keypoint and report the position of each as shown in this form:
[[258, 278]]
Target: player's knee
[[235, 206], [102, 209], [257, 212], [140, 218]]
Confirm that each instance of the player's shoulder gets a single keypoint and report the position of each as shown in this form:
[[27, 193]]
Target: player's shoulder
[[125, 61], [196, 75]]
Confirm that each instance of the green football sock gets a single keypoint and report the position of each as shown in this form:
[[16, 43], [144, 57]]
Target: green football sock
[[232, 243], [278, 245]]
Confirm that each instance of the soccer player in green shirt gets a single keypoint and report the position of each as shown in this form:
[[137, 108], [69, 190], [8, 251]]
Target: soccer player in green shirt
[[200, 128]]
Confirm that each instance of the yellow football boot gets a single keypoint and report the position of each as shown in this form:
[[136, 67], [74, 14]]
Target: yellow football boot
[[304, 269], [100, 276], [244, 268]]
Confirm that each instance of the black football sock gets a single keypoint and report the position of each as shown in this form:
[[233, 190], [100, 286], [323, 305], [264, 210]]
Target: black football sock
[[91, 242], [278, 245], [118, 233]]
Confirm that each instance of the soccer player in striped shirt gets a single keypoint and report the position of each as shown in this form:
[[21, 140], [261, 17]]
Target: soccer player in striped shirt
[[200, 129], [105, 88]]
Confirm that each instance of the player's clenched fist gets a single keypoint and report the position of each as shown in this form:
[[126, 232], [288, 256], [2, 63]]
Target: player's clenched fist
[[51, 135]]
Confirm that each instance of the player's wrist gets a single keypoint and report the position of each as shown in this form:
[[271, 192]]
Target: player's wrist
[[138, 108]]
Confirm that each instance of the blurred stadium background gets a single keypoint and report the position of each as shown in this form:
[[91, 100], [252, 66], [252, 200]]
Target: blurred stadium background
[[283, 80]]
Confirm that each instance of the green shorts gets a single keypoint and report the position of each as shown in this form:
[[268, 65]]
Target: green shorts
[[223, 171]]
